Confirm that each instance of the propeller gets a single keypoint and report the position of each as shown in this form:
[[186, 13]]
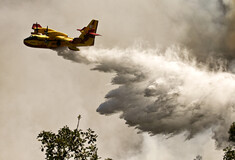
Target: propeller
[[36, 30], [46, 31]]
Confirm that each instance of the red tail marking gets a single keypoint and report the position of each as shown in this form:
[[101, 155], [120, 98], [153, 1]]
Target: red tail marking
[[95, 34]]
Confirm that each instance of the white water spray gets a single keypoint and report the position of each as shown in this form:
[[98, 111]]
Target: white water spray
[[163, 93]]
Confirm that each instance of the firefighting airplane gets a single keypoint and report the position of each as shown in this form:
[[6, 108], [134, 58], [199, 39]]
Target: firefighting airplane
[[49, 38]]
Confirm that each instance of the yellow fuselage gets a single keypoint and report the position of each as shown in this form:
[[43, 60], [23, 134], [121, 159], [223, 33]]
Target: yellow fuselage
[[44, 41]]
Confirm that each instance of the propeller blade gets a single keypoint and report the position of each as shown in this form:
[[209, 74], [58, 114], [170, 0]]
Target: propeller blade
[[46, 31]]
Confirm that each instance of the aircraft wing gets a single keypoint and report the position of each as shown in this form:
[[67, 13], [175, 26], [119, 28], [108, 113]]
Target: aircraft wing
[[63, 38], [54, 34], [38, 29]]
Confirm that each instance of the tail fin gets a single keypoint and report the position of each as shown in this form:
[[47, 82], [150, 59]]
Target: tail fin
[[87, 37]]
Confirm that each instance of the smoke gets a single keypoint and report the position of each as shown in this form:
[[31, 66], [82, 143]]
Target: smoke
[[210, 33]]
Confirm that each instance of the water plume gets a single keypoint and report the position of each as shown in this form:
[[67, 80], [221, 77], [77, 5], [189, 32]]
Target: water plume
[[164, 93]]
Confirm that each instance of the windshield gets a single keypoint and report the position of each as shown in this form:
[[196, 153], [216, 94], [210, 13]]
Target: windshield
[[32, 38]]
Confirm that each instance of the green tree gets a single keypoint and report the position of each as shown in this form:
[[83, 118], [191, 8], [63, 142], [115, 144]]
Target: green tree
[[230, 150], [67, 143]]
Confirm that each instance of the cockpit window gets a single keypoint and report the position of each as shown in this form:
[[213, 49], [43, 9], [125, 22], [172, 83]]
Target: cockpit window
[[32, 38]]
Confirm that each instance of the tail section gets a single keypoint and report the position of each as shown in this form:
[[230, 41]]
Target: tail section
[[88, 33]]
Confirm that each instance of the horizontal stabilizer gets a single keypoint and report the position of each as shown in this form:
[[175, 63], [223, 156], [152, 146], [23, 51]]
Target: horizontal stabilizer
[[81, 29], [95, 34]]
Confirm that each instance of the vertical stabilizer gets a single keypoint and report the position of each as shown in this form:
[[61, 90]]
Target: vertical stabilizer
[[88, 33]]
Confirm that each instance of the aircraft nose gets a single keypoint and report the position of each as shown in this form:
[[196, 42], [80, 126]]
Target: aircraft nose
[[25, 42]]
